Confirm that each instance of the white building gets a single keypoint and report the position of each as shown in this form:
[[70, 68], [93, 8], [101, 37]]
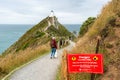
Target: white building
[[52, 19]]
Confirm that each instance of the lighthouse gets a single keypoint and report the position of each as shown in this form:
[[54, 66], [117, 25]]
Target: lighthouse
[[52, 19], [51, 14]]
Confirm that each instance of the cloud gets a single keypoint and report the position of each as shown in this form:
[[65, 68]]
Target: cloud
[[32, 11]]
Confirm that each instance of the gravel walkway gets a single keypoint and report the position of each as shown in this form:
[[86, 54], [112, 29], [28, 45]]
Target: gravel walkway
[[43, 68]]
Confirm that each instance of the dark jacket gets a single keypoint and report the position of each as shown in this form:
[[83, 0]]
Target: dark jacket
[[53, 43]]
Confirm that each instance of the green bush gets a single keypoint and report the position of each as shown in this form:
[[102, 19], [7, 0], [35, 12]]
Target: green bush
[[86, 25], [39, 34], [25, 46]]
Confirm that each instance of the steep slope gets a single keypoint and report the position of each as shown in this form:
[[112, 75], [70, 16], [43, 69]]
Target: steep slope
[[107, 26], [39, 35]]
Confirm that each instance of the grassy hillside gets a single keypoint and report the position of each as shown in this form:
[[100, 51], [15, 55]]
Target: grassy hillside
[[37, 36], [34, 43], [107, 26]]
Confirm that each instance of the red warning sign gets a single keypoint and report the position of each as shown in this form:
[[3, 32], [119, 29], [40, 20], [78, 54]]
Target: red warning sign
[[91, 63]]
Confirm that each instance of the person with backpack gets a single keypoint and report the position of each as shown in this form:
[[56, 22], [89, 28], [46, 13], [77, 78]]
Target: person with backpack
[[53, 45]]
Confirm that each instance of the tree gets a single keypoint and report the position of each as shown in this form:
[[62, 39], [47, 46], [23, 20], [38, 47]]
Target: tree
[[86, 25]]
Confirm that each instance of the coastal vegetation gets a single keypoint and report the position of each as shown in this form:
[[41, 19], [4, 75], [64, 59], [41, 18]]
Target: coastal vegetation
[[86, 25], [107, 27], [37, 36], [33, 44], [16, 59]]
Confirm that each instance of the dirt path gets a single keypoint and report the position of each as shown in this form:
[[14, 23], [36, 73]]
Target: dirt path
[[43, 68]]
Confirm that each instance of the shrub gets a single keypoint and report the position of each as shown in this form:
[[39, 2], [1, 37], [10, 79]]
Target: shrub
[[86, 25], [39, 34]]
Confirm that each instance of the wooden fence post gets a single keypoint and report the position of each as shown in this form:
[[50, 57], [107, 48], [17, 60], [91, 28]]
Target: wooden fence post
[[67, 66], [97, 50]]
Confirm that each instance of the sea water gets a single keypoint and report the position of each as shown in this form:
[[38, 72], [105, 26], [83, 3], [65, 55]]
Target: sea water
[[10, 33]]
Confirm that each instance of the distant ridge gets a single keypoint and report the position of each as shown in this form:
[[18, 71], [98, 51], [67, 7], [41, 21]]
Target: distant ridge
[[40, 34]]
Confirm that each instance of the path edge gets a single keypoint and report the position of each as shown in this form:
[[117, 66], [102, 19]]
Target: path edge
[[8, 75]]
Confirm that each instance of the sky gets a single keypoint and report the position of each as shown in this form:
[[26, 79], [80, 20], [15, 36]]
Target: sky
[[33, 11]]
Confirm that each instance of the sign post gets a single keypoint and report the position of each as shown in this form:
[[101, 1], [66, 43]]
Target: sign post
[[67, 67], [97, 50]]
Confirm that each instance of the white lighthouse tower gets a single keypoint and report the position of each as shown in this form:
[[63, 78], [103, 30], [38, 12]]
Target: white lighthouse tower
[[52, 18], [52, 14]]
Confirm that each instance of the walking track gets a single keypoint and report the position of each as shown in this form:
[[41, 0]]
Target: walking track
[[43, 68]]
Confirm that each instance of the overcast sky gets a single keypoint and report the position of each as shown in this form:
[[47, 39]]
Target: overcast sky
[[33, 11]]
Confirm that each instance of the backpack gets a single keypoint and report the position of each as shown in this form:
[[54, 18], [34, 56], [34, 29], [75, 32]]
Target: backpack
[[52, 43]]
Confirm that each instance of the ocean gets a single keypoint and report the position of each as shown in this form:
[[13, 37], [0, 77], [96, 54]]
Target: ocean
[[10, 33]]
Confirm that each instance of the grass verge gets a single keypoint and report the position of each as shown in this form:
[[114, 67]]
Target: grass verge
[[13, 61], [7, 76]]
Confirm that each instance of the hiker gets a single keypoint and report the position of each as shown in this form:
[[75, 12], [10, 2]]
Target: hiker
[[53, 45], [61, 43]]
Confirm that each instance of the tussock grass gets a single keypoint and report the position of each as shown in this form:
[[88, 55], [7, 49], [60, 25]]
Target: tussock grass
[[14, 60], [112, 9], [87, 43], [62, 72]]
